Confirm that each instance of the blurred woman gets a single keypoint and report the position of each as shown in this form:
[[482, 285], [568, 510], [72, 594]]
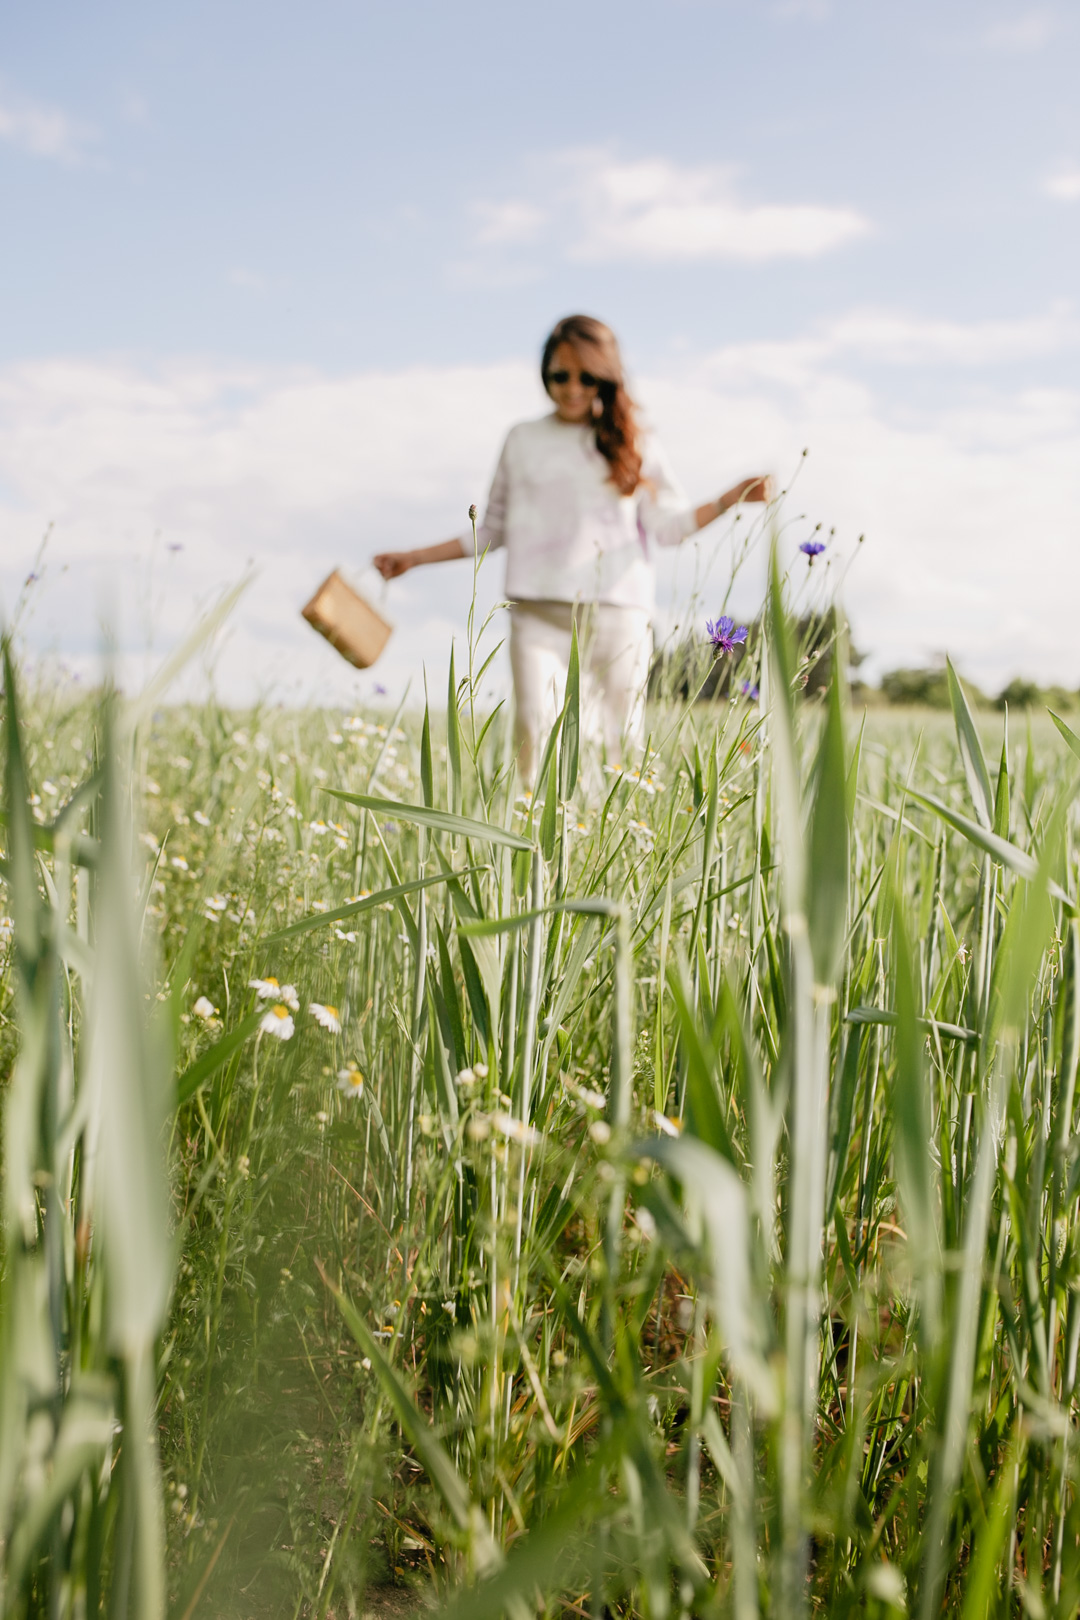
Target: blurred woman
[[579, 497]]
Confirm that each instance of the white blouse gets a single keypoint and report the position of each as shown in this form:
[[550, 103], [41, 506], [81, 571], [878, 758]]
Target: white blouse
[[568, 534]]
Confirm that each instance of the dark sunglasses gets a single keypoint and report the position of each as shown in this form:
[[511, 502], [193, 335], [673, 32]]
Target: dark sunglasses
[[586, 378]]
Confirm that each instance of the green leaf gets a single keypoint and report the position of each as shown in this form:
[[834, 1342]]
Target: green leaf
[[437, 820], [549, 752], [427, 784], [983, 1582], [1017, 860], [1069, 735], [199, 1072], [453, 738], [571, 731], [705, 1116], [486, 927], [718, 1191], [912, 1144], [1001, 797], [827, 870], [928, 1026], [355, 907], [551, 805], [971, 752]]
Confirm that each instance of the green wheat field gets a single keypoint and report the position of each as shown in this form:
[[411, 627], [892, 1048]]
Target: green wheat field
[[658, 1196]]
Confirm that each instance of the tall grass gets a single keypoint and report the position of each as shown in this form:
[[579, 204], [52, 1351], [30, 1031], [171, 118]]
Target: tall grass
[[701, 1237]]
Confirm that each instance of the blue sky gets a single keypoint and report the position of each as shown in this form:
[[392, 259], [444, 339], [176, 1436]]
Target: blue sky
[[276, 277]]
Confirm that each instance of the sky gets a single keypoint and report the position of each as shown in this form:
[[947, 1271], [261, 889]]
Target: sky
[[276, 278]]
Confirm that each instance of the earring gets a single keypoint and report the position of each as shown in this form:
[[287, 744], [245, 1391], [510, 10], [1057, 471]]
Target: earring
[[598, 406]]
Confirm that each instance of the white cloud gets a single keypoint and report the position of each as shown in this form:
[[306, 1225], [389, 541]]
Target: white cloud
[[656, 210], [1029, 31], [504, 223], [894, 336], [43, 131], [593, 206], [1064, 186], [970, 510]]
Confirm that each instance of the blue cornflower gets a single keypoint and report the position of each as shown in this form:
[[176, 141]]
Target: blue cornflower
[[750, 692], [812, 549], [723, 634]]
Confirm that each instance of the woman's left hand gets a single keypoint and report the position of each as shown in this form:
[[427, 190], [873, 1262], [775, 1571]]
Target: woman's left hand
[[759, 488]]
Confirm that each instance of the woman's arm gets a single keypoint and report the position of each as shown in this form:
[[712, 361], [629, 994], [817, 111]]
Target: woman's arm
[[392, 563], [749, 489]]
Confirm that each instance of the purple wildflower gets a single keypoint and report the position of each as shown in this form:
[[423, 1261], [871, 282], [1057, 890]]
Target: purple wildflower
[[723, 634], [750, 692], [812, 549], [380, 689]]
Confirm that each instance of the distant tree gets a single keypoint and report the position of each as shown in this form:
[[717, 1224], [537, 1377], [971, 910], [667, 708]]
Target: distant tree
[[1019, 694], [1022, 694], [928, 688]]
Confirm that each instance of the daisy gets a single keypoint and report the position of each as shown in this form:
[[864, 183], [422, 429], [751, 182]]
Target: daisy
[[350, 1081], [278, 1022], [204, 1008], [270, 990], [327, 1016], [515, 1129]]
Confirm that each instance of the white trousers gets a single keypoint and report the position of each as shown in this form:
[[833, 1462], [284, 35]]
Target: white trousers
[[615, 651]]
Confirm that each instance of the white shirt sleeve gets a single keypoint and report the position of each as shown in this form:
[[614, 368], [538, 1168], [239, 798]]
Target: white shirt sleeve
[[663, 508], [491, 532]]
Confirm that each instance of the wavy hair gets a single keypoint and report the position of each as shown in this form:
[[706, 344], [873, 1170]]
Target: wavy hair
[[615, 423]]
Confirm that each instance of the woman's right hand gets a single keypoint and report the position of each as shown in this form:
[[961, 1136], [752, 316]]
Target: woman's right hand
[[391, 564]]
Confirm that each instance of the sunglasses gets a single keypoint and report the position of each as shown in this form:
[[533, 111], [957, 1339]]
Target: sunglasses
[[586, 378]]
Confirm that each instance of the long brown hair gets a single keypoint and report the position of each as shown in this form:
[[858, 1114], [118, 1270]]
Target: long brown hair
[[615, 424]]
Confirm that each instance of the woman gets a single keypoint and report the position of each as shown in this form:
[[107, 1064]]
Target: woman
[[578, 496]]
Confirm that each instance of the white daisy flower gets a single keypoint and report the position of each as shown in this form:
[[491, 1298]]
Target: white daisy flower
[[349, 938], [666, 1126], [200, 817], [270, 990], [515, 1129], [278, 1022], [591, 1099], [204, 1008], [179, 862], [350, 1081], [327, 1016]]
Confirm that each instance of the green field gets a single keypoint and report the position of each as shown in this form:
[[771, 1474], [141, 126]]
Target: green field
[[658, 1198]]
